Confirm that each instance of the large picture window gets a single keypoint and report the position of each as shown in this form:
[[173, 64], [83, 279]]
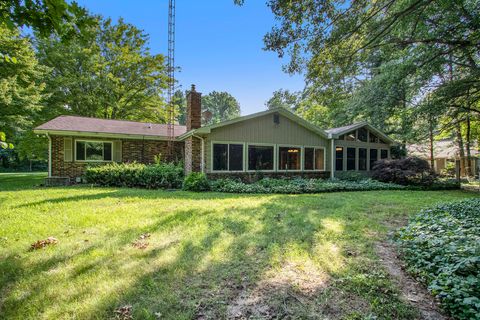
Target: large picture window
[[339, 158], [235, 157], [351, 158], [289, 158], [93, 151], [314, 159], [362, 159], [227, 157], [260, 157], [220, 157], [373, 157]]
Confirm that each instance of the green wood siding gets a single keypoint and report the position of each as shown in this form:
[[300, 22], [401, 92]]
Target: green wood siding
[[264, 130]]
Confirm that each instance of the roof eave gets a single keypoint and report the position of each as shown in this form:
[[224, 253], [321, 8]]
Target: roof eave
[[360, 125], [100, 134]]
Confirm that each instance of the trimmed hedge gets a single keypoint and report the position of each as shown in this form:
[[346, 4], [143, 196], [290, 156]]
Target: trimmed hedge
[[296, 186], [164, 175], [441, 246]]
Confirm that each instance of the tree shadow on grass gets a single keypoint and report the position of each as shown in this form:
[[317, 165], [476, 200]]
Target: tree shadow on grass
[[254, 277], [280, 258], [127, 193]]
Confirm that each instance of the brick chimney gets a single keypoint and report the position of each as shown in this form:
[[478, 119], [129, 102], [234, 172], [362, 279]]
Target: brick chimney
[[194, 109]]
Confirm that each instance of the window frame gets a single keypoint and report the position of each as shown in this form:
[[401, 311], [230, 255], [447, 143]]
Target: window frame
[[228, 143], [103, 150], [248, 144], [334, 165], [277, 155], [355, 159], [370, 166], [366, 158], [314, 158]]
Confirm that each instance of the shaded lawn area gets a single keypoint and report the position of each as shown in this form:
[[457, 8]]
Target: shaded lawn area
[[210, 255]]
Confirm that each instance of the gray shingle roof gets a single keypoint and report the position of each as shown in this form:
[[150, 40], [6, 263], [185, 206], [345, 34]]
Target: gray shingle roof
[[85, 124], [338, 130], [446, 148]]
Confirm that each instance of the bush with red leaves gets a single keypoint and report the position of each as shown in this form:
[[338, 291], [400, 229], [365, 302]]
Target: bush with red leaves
[[411, 171]]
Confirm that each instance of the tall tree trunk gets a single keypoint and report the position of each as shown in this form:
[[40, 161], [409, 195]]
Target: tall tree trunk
[[468, 166], [460, 146], [430, 133], [432, 157]]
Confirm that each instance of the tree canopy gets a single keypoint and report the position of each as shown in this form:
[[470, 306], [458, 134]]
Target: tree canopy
[[222, 105], [107, 71]]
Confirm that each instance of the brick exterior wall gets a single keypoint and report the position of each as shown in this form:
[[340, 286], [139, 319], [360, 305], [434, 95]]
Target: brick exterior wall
[[194, 121], [145, 151], [252, 176], [194, 109], [60, 168], [142, 151]]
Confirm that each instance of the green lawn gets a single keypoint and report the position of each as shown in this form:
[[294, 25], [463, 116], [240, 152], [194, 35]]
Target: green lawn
[[209, 255]]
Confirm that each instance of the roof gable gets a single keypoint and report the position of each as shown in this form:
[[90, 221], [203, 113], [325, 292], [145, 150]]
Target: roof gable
[[337, 132], [300, 121]]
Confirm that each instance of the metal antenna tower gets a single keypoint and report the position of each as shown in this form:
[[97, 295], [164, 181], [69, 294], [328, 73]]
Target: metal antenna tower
[[171, 77]]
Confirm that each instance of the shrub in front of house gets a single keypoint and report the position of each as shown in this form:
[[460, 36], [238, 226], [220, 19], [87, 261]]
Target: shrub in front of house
[[411, 171], [196, 181], [163, 175], [350, 175], [298, 185], [441, 247]]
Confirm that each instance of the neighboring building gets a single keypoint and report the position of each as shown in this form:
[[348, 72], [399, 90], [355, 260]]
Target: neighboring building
[[274, 142], [444, 152]]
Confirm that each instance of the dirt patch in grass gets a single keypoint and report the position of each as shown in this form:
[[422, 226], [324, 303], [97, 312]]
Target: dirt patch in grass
[[273, 296], [412, 292], [294, 291]]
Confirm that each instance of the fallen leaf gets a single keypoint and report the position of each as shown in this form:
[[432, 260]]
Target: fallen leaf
[[124, 313], [43, 243]]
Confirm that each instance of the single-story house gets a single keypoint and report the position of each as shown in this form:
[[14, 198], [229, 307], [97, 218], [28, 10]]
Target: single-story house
[[446, 151], [274, 142]]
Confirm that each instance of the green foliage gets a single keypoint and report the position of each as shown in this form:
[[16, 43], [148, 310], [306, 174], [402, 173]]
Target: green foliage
[[441, 246], [283, 99], [444, 184], [21, 83], [45, 16], [408, 66], [105, 71], [3, 141], [449, 169], [196, 181], [350, 175], [298, 185], [222, 105], [164, 175]]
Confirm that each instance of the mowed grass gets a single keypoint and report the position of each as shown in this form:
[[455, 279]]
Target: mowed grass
[[209, 255]]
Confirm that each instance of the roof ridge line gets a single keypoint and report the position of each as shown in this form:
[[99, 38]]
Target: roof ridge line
[[85, 117]]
